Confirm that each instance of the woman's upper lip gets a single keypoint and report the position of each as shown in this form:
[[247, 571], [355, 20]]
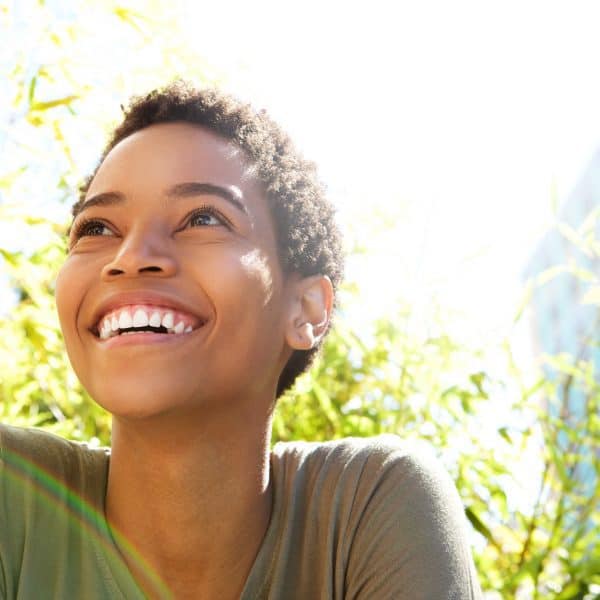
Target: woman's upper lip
[[118, 299]]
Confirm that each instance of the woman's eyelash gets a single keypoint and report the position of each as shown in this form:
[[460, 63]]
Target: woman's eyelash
[[207, 210], [85, 226]]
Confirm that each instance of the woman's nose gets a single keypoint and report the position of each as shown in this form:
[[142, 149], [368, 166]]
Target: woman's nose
[[141, 254]]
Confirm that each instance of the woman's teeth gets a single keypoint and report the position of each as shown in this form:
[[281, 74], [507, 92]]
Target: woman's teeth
[[128, 321]]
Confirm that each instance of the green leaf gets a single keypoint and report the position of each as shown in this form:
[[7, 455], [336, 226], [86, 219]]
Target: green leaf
[[503, 431], [32, 85], [550, 274], [478, 524], [12, 258], [572, 591], [525, 300], [41, 106], [8, 179]]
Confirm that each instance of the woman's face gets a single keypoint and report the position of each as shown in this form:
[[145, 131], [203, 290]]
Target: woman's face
[[172, 296]]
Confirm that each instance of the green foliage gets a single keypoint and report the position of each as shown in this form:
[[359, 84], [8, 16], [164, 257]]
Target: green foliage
[[38, 387], [526, 465]]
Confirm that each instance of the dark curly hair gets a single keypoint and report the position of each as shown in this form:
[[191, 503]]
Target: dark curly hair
[[309, 241]]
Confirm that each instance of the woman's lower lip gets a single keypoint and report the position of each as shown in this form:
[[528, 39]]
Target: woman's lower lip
[[144, 338]]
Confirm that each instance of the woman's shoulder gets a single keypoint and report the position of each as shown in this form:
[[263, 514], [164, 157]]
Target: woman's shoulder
[[33, 454], [391, 507], [33, 442], [383, 456], [381, 475], [52, 515]]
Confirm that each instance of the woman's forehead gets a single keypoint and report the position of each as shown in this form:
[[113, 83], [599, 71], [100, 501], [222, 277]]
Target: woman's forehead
[[175, 150], [163, 157]]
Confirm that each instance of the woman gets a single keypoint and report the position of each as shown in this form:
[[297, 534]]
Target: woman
[[203, 262]]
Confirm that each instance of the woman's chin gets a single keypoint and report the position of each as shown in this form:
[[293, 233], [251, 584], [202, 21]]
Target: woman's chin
[[132, 402]]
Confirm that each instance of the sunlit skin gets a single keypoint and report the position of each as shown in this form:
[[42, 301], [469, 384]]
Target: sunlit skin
[[188, 478]]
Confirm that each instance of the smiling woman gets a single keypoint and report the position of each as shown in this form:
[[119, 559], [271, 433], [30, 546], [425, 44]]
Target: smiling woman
[[200, 281]]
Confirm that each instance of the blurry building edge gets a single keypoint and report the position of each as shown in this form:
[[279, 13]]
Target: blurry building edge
[[561, 323]]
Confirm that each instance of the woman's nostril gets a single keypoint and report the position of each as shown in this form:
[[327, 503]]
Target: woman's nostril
[[149, 269], [153, 269]]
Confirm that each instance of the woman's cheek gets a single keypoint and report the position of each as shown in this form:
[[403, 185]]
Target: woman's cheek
[[61, 297], [69, 296], [256, 267]]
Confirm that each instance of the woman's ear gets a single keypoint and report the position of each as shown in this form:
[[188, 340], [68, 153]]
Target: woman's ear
[[310, 312]]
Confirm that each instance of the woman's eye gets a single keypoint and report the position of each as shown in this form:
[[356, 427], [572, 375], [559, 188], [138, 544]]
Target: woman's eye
[[92, 228], [205, 218]]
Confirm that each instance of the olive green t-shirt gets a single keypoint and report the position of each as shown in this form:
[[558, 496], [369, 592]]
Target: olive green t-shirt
[[360, 519]]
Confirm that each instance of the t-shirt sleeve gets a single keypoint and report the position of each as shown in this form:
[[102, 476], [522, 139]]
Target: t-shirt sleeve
[[411, 540]]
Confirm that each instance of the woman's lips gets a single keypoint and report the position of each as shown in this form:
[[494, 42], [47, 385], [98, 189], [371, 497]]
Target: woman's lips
[[118, 310], [159, 320], [147, 338]]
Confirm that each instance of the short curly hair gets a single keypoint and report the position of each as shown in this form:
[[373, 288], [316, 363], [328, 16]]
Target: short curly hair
[[308, 238]]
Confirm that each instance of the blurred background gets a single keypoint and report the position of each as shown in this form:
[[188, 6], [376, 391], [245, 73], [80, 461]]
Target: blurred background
[[460, 143]]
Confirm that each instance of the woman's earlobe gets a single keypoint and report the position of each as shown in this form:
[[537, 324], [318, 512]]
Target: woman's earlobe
[[311, 312]]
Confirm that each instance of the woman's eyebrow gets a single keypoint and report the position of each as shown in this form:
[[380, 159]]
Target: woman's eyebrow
[[103, 199], [181, 190], [194, 188]]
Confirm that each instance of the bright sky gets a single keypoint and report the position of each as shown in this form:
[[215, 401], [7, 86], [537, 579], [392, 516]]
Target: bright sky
[[461, 118]]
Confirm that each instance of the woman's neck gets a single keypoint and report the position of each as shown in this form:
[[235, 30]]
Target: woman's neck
[[193, 500]]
